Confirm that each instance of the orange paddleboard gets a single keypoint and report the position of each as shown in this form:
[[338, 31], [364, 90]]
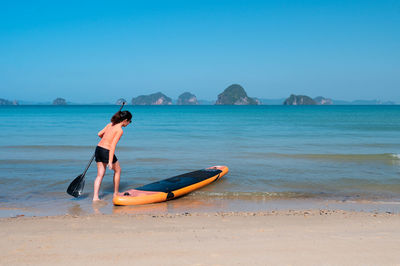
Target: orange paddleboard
[[170, 188]]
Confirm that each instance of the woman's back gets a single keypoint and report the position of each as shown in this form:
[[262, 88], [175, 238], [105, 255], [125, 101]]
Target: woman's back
[[109, 134]]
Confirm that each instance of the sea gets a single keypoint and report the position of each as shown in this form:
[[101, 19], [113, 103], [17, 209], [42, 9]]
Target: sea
[[279, 157]]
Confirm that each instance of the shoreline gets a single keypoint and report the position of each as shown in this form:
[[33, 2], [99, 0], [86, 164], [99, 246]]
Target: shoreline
[[328, 237], [289, 212], [188, 204]]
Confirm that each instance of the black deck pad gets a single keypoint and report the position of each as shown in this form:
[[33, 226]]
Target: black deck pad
[[180, 181]]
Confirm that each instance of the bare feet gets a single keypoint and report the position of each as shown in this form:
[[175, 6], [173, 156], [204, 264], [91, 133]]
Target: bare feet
[[96, 199]]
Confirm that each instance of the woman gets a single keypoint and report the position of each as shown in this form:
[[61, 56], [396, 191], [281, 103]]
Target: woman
[[105, 150]]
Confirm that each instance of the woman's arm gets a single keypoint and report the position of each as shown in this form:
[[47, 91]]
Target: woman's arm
[[112, 148], [101, 132]]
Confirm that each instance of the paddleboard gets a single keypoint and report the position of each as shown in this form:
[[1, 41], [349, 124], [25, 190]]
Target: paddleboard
[[170, 188]]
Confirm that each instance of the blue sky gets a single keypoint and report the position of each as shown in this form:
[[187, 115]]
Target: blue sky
[[99, 51]]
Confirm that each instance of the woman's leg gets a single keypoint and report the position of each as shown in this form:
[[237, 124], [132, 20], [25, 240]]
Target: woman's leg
[[101, 169], [117, 177]]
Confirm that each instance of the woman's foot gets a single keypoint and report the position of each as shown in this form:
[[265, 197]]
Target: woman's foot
[[96, 199]]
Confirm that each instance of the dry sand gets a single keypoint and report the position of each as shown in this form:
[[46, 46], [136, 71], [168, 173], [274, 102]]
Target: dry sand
[[312, 237]]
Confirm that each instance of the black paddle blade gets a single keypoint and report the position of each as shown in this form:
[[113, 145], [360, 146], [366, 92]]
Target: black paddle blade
[[75, 189]]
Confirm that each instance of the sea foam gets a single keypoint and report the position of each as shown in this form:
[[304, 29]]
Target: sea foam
[[395, 156]]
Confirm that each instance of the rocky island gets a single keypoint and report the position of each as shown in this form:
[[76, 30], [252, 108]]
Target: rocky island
[[7, 102], [60, 101], [299, 100], [152, 99], [323, 101], [235, 95], [187, 98]]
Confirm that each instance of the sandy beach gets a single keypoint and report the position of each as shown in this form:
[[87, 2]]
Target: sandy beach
[[308, 237]]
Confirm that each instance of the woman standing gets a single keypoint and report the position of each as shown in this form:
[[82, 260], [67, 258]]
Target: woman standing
[[105, 150]]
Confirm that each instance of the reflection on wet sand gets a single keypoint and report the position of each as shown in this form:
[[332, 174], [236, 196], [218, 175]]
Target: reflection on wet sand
[[184, 204], [76, 210], [97, 205], [155, 208]]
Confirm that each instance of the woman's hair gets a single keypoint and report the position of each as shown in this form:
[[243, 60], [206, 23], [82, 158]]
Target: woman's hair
[[119, 116]]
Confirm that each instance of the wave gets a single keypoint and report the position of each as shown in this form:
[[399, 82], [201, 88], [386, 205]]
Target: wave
[[47, 147], [375, 145], [327, 156], [254, 195], [73, 162], [396, 156], [341, 185], [64, 147], [294, 195], [32, 161], [351, 157], [152, 160]]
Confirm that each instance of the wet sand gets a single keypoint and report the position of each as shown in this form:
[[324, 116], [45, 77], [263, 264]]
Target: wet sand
[[307, 237]]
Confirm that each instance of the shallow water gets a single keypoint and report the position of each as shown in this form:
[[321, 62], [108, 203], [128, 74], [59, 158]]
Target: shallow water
[[295, 153]]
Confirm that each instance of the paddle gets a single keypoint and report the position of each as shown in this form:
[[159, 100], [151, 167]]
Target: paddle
[[75, 189]]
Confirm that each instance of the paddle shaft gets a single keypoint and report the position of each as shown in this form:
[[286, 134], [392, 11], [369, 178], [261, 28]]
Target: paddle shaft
[[123, 103], [90, 162]]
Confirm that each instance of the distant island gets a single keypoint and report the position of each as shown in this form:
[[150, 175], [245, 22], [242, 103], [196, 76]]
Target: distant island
[[235, 95], [306, 100], [7, 102], [152, 99], [364, 102], [323, 101], [299, 100], [187, 98], [59, 101]]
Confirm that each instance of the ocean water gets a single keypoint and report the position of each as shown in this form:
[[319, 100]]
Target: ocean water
[[275, 154]]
